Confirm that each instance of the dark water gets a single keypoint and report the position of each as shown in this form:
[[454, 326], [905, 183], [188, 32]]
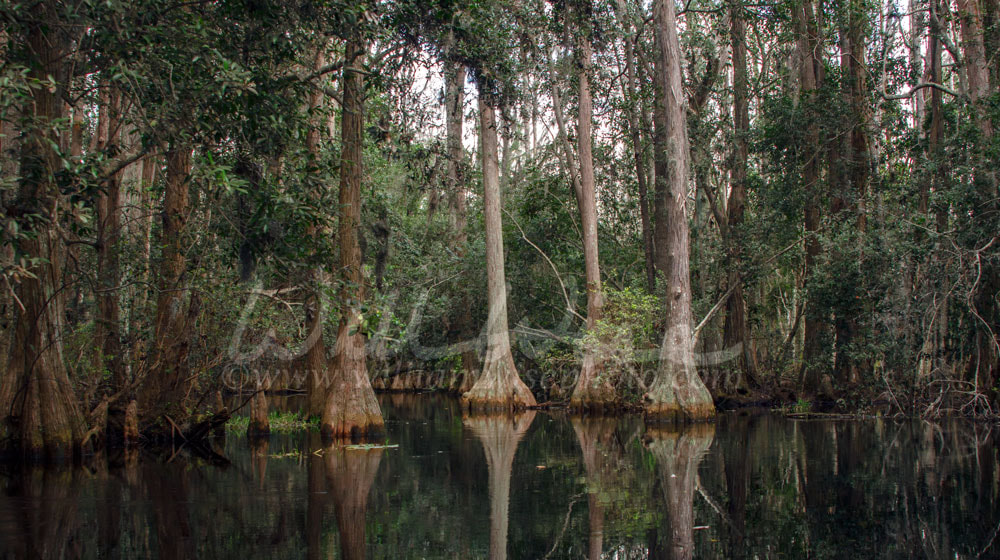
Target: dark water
[[539, 486]]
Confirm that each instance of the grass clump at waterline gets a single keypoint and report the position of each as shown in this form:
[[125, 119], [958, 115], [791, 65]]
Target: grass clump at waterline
[[280, 422]]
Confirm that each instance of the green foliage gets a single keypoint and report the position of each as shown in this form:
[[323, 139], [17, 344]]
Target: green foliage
[[280, 422]]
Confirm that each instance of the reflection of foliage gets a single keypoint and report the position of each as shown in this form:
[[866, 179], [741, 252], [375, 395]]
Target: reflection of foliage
[[814, 489]]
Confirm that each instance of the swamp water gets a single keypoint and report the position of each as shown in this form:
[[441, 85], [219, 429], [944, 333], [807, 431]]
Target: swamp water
[[537, 486]]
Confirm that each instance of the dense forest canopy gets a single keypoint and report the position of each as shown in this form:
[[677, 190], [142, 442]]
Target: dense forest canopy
[[611, 205]]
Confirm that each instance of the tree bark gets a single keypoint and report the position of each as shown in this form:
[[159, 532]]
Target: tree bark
[[677, 392], [41, 416], [499, 387], [314, 361], [351, 407], [168, 379], [593, 391], [454, 116], [816, 330], [736, 331], [661, 187], [108, 213]]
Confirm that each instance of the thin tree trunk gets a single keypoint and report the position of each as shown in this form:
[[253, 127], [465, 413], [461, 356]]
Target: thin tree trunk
[[736, 331], [639, 153], [858, 170], [816, 335], [593, 391], [454, 109], [499, 387], [351, 407], [107, 324], [677, 392], [314, 362], [934, 348]]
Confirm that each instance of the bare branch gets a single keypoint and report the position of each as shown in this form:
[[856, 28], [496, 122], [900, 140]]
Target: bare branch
[[917, 88]]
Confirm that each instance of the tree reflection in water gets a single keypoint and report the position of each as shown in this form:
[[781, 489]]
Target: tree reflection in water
[[678, 451], [499, 435]]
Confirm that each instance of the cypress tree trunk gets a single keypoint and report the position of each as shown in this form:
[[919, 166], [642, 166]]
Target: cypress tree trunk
[[168, 379], [592, 392], [314, 361], [41, 416], [677, 393], [108, 207], [985, 363], [639, 153], [351, 407], [816, 335], [454, 108], [499, 387], [736, 331]]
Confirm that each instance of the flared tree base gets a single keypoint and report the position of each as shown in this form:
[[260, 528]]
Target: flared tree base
[[498, 389], [678, 398], [593, 393]]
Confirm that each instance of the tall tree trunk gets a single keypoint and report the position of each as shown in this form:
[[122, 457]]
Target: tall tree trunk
[[985, 364], [168, 376], [500, 435], [107, 324], [499, 387], [639, 153], [661, 187], [736, 331], [351, 407], [934, 347], [314, 359], [41, 416], [816, 331], [454, 113], [677, 392], [991, 37], [848, 180], [593, 391]]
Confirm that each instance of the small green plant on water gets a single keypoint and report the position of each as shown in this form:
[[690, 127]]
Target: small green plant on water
[[279, 422], [801, 406]]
